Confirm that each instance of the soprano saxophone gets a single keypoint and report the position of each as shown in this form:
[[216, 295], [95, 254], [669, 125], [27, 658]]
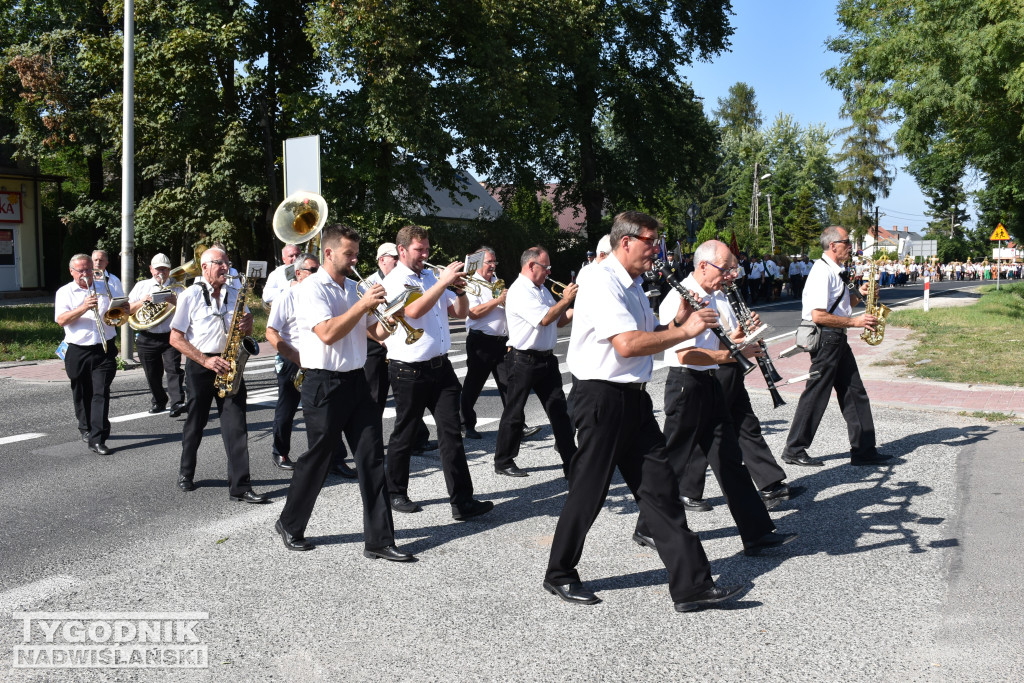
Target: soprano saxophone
[[872, 306], [238, 346]]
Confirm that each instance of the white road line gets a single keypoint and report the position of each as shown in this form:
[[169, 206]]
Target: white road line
[[20, 437]]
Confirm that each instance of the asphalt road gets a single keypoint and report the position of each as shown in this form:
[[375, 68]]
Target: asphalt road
[[909, 572]]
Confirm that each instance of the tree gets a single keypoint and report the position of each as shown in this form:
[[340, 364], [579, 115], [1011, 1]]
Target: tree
[[708, 232], [865, 157], [739, 109]]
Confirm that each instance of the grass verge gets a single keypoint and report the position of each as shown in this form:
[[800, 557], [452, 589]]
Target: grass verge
[[981, 343], [28, 332]]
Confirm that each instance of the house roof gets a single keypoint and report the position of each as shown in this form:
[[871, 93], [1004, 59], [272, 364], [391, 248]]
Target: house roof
[[456, 206], [570, 218]]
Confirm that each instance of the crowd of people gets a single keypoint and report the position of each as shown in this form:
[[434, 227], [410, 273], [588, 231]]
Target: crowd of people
[[337, 354]]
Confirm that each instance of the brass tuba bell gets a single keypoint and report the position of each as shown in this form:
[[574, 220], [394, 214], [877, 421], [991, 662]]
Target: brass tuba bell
[[300, 217]]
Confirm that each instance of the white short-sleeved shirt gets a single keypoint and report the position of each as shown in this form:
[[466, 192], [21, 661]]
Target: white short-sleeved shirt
[[609, 302], [437, 338], [823, 285], [756, 270], [794, 268], [706, 339], [205, 326], [282, 316], [277, 283], [525, 306], [494, 322], [805, 267], [82, 331], [140, 291], [319, 298]]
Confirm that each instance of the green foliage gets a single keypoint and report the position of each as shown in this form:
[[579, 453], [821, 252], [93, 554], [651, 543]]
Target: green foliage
[[739, 109], [708, 232]]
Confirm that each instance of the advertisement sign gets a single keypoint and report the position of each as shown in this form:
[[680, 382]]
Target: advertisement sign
[[10, 207]]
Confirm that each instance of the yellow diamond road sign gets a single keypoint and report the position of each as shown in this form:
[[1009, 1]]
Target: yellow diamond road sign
[[999, 234]]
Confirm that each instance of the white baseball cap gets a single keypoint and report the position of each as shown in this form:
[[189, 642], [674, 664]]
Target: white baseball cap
[[160, 261], [386, 249], [604, 245]]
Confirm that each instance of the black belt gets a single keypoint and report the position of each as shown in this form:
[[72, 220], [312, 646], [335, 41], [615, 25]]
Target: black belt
[[432, 364], [698, 373], [625, 386], [534, 353], [837, 330], [331, 373], [90, 346], [492, 336]]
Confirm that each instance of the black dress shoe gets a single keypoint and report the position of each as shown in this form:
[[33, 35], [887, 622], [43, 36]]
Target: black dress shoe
[[251, 497], [403, 504], [85, 438], [471, 433], [778, 491], [512, 470], [292, 542], [802, 459], [100, 449], [282, 462], [388, 552], [529, 431], [471, 508], [185, 484], [771, 539], [425, 447], [643, 541], [572, 592], [875, 458], [695, 504], [344, 471], [157, 409], [179, 408], [713, 595]]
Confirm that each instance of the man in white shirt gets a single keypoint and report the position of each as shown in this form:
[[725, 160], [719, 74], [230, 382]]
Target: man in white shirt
[[796, 278], [533, 320], [107, 284], [332, 322], [278, 281], [756, 279], [79, 310], [610, 350], [828, 303], [156, 355], [699, 427], [486, 344], [199, 330], [422, 377]]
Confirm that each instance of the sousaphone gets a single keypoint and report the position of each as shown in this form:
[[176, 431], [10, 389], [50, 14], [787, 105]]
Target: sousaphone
[[300, 218]]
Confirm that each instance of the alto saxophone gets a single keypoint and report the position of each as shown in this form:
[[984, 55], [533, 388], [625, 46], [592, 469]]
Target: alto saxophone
[[872, 306], [238, 347]]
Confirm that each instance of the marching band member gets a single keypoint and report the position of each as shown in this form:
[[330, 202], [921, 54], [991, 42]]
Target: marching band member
[[111, 284], [79, 310], [486, 345], [199, 330], [533, 321], [282, 334], [423, 377], [698, 423], [277, 281], [157, 356], [610, 351]]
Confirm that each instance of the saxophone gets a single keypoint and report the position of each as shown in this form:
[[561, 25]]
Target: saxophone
[[872, 306], [238, 347]]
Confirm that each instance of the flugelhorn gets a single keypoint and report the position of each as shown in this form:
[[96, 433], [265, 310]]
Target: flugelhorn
[[393, 309]]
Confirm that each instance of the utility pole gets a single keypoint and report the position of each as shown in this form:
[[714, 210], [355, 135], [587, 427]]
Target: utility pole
[[771, 223], [128, 169], [755, 208], [874, 253]]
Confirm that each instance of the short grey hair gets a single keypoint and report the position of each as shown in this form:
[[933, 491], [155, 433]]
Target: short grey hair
[[306, 256], [706, 252], [79, 257], [829, 235], [631, 223], [100, 251], [531, 254], [487, 249]]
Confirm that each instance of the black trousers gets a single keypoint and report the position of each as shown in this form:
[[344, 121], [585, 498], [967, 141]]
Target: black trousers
[[838, 368], [757, 456], [539, 373], [233, 430], [91, 372], [377, 375], [288, 398], [796, 283], [616, 428], [430, 385], [159, 358], [336, 403], [485, 355], [697, 421]]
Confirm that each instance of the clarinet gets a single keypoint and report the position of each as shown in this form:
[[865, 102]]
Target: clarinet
[[734, 351], [764, 361]]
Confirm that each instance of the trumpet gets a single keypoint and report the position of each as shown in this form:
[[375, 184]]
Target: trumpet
[[436, 270], [393, 309], [476, 286], [557, 288]]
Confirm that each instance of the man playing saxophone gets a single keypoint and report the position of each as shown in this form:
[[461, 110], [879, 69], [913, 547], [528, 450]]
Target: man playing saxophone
[[829, 303], [157, 356], [199, 330]]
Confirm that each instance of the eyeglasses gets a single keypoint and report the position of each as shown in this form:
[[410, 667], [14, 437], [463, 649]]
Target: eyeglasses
[[310, 270], [547, 268], [846, 242], [490, 263], [724, 271], [217, 262], [649, 241], [81, 272]]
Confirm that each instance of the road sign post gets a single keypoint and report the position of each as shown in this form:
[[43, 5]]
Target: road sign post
[[998, 235]]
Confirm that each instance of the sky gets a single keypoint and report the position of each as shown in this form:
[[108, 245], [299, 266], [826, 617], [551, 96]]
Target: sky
[[778, 48]]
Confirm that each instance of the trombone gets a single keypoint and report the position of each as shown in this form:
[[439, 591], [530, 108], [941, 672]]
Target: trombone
[[393, 309]]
